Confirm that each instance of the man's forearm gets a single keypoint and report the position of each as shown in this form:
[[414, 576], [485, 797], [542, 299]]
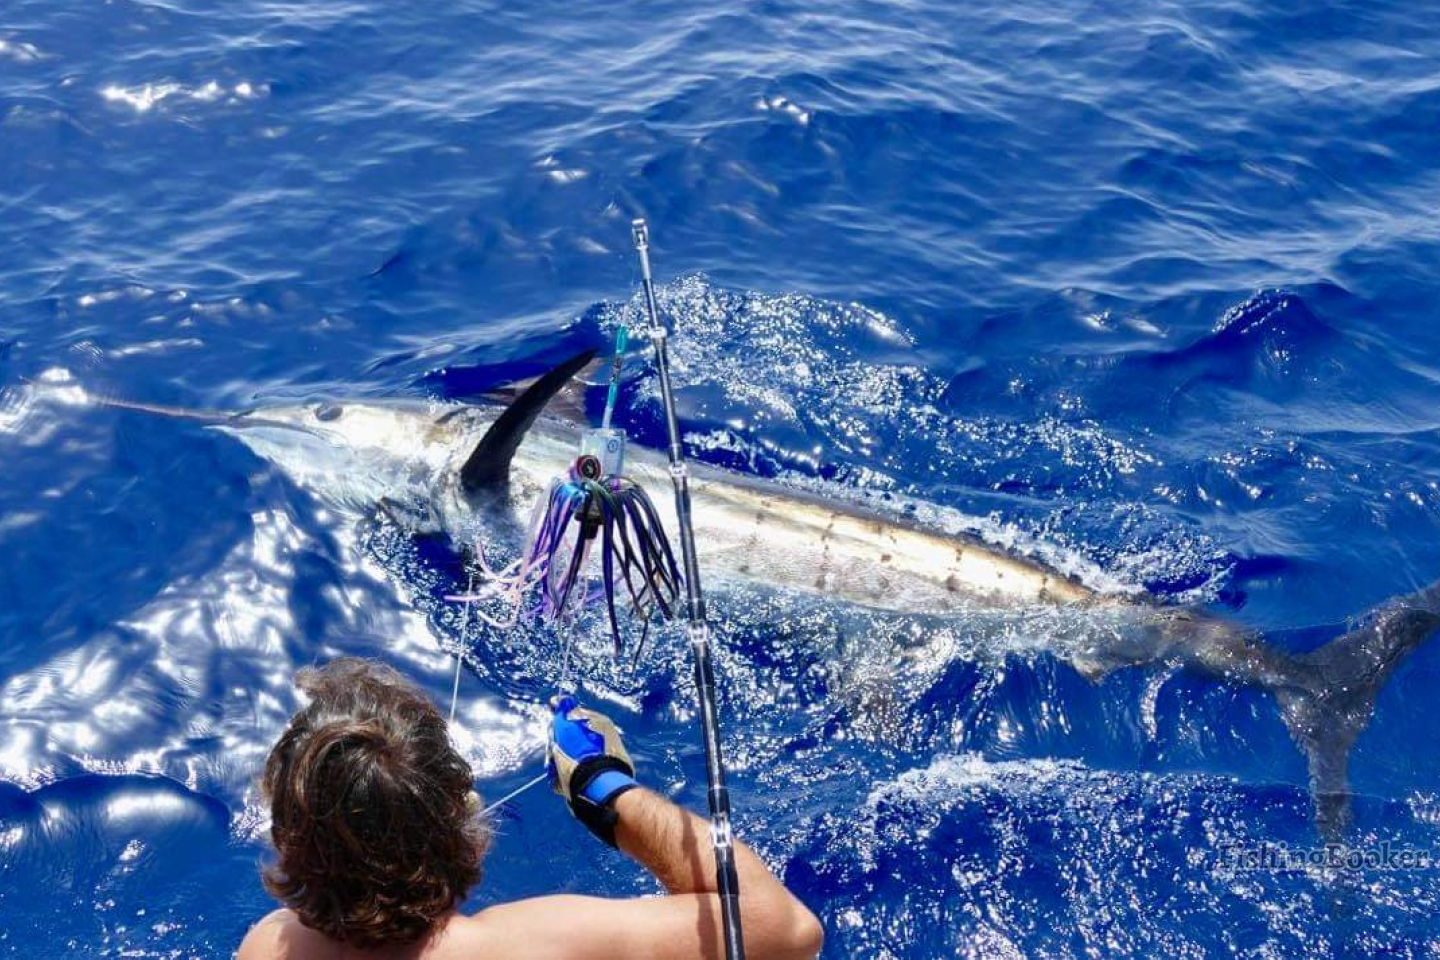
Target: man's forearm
[[675, 845]]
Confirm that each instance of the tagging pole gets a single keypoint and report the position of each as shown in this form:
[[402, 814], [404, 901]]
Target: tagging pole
[[697, 629]]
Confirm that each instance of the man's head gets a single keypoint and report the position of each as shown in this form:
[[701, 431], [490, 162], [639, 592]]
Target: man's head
[[369, 809]]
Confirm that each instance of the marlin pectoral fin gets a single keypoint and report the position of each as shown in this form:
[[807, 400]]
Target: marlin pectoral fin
[[489, 465]]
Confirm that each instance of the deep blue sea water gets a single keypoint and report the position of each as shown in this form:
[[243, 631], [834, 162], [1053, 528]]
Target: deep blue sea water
[[1149, 287]]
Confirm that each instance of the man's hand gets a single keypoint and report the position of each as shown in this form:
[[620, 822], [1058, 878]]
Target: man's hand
[[589, 765]]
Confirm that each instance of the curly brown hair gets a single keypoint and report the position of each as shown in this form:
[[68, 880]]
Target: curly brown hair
[[369, 808]]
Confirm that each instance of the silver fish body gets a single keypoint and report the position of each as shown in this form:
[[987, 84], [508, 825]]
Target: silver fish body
[[409, 457], [746, 528]]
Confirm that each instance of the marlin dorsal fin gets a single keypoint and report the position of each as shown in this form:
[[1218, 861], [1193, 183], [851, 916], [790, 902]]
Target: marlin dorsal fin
[[489, 464]]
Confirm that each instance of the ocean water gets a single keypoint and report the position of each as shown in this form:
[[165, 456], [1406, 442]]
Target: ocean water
[[1148, 289]]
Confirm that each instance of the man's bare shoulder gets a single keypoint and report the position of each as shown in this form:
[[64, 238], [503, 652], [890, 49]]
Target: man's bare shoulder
[[540, 928], [281, 936], [271, 938], [534, 928]]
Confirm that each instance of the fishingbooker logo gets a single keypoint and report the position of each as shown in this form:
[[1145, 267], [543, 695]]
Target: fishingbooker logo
[[1267, 857]]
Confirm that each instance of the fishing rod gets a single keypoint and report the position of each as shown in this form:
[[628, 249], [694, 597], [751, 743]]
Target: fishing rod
[[594, 508], [697, 628]]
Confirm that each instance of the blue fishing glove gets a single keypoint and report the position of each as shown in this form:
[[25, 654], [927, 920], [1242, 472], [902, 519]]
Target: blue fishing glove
[[589, 765]]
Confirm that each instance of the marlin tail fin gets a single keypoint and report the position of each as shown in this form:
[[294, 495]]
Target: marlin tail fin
[[1332, 698]]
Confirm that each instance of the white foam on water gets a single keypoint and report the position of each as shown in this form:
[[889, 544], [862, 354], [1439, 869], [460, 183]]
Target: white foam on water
[[154, 346], [134, 291], [21, 407], [560, 174], [142, 98], [949, 773], [19, 51], [786, 108]]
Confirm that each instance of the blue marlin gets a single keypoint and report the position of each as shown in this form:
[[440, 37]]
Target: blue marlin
[[474, 471]]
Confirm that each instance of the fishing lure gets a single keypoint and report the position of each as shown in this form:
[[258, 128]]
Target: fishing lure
[[592, 507], [589, 510]]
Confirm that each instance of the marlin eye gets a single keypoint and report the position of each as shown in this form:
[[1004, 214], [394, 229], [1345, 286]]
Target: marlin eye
[[329, 411]]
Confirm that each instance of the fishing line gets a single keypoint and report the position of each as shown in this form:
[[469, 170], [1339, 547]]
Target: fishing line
[[460, 654], [565, 685], [528, 785], [567, 682], [455, 689]]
